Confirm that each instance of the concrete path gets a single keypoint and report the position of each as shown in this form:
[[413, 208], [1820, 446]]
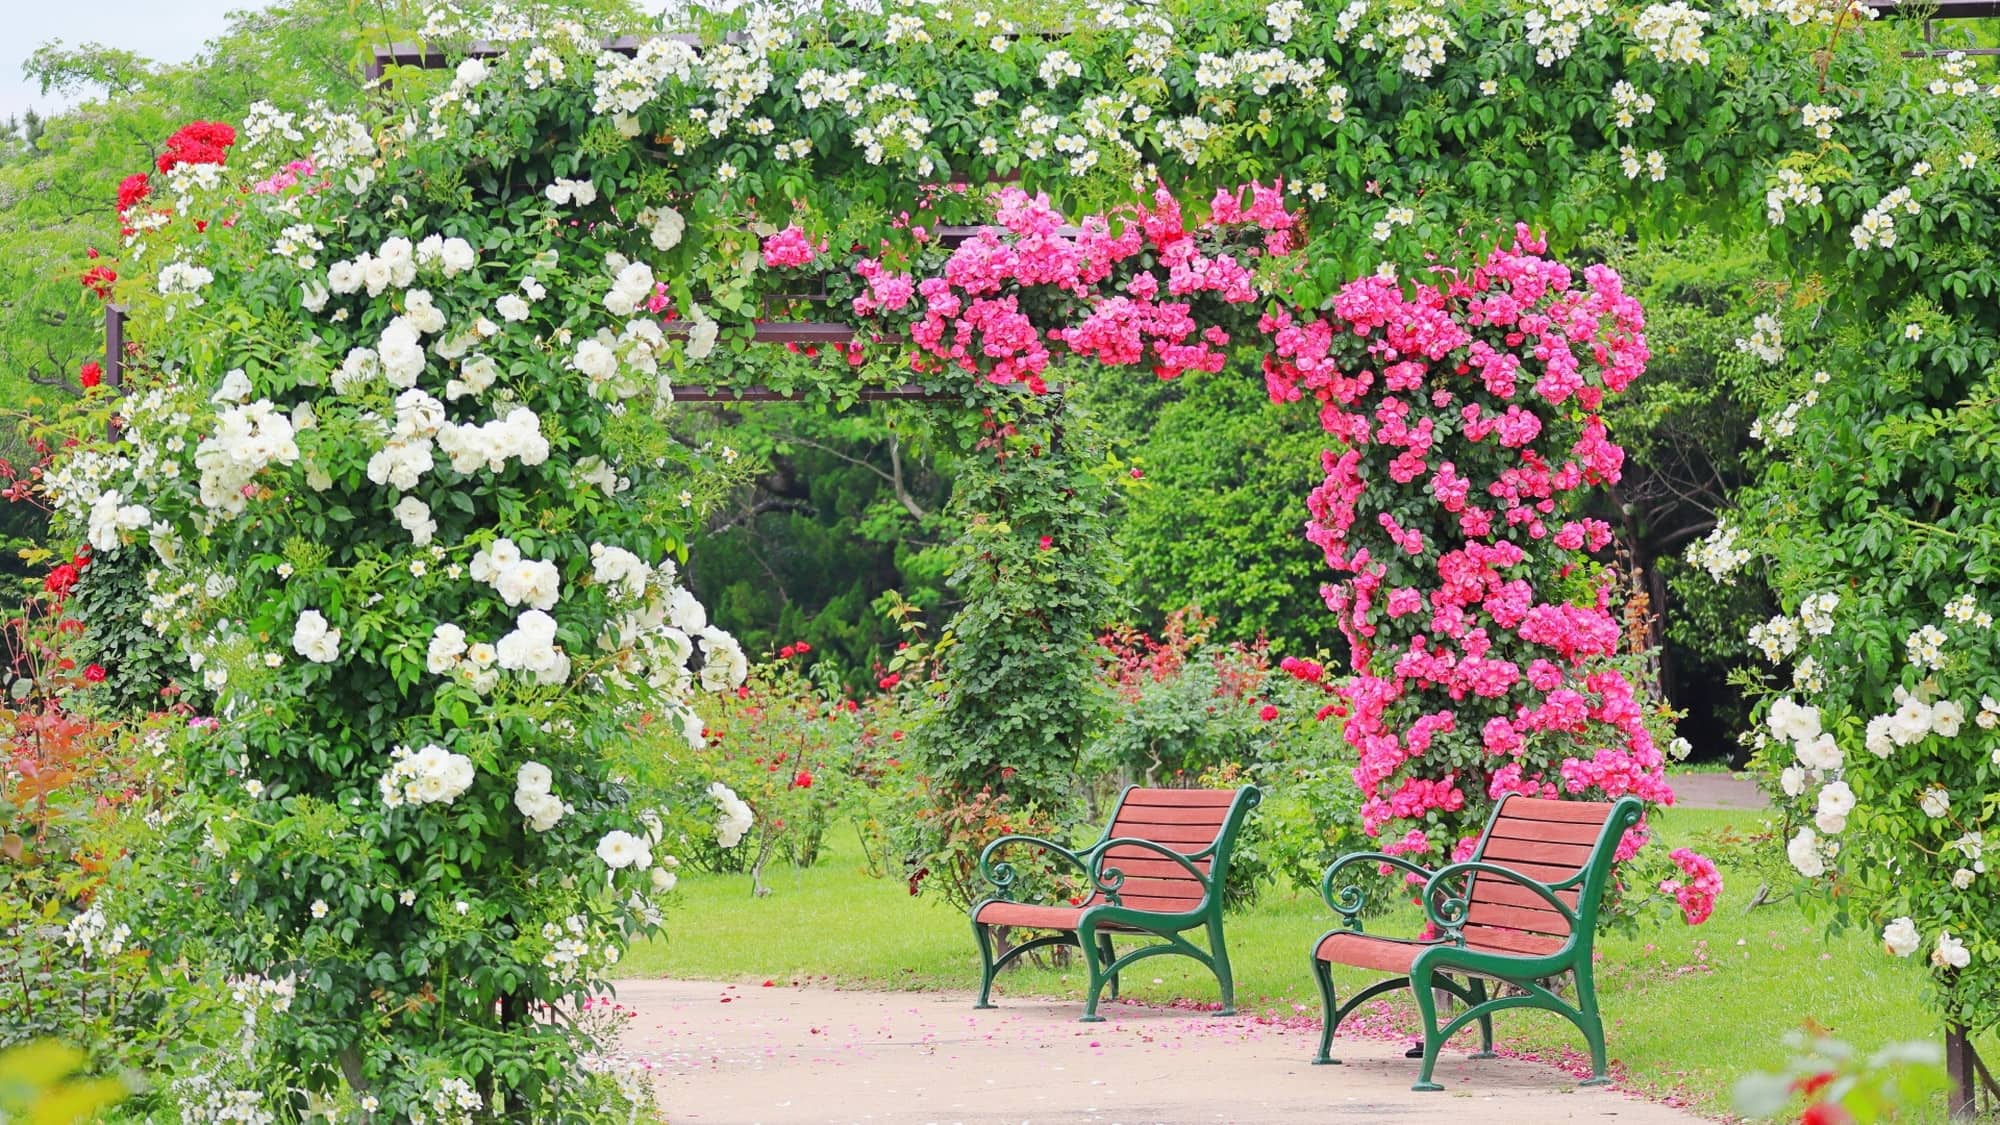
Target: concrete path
[[1717, 790], [748, 1055]]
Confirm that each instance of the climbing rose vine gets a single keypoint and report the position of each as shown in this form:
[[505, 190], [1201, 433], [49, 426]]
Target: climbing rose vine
[[1466, 403]]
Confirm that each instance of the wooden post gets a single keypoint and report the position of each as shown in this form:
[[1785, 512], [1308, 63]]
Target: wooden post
[[114, 345], [1968, 1074]]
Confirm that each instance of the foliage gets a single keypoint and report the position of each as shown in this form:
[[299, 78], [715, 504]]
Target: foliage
[[1209, 474], [37, 1086], [1180, 705], [844, 507], [998, 739], [1834, 1084], [431, 626]]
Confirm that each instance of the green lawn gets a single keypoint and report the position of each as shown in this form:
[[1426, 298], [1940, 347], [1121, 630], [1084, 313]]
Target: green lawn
[[1689, 1009]]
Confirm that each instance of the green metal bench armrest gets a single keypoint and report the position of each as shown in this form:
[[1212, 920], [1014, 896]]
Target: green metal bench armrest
[[1002, 875], [1352, 899], [1107, 880], [1448, 913]]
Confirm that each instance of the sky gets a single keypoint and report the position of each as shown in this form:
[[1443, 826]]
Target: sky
[[162, 30]]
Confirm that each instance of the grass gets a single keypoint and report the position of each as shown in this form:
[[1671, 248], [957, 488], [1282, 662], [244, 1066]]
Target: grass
[[1688, 1009]]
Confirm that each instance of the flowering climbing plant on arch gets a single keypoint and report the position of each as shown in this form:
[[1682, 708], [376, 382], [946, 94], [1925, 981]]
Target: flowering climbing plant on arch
[[398, 458]]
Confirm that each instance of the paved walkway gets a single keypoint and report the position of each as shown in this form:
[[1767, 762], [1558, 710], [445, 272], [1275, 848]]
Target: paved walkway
[[749, 1055], [1717, 790]]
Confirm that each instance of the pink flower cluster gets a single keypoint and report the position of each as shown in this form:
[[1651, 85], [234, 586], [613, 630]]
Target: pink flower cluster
[[1466, 411], [1703, 886], [790, 248], [1138, 288]]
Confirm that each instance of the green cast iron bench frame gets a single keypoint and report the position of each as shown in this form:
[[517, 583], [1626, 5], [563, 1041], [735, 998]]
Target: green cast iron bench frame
[[1158, 870], [1522, 910]]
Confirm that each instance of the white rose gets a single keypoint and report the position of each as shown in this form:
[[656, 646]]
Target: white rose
[[1935, 801], [1803, 851], [620, 849], [312, 639], [1835, 802], [1901, 937], [533, 777], [1962, 878], [1792, 780], [1820, 752], [1910, 723], [447, 645], [1946, 718], [512, 308], [1878, 741], [664, 880], [1950, 953]]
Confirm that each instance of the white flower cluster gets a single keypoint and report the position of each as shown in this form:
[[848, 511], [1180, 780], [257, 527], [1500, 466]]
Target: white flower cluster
[[620, 849], [1766, 340], [406, 456], [1628, 104], [1654, 165], [394, 264], [518, 436], [1816, 613], [623, 573], [94, 932], [1957, 79], [1900, 938], [519, 581], [619, 367], [1964, 610], [1791, 189], [1820, 119], [450, 653], [455, 1101], [181, 276], [579, 193], [110, 517], [1421, 34], [201, 1098], [1911, 722], [314, 640], [430, 776], [1926, 648], [1390, 220], [1282, 16], [414, 516], [1878, 226], [623, 86], [245, 441], [533, 799], [1555, 27], [734, 817], [1777, 638], [531, 649], [1672, 32], [1801, 12]]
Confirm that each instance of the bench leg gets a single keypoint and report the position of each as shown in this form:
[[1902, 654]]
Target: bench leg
[[1420, 985], [1478, 985], [1110, 957], [1329, 1018], [1218, 952], [1088, 941], [981, 932], [1591, 1025]]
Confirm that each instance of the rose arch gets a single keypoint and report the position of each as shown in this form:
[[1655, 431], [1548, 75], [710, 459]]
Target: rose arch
[[397, 462]]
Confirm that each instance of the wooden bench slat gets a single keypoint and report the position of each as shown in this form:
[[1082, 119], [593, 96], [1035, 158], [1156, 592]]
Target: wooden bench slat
[[1506, 853], [1510, 941], [1539, 872], [1137, 867], [1186, 889], [1159, 905], [1525, 919], [1181, 798], [1500, 892], [1182, 837], [1576, 812], [1558, 831], [1210, 815]]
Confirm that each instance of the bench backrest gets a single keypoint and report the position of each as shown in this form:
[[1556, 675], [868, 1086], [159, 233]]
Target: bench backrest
[[1193, 822], [1549, 842]]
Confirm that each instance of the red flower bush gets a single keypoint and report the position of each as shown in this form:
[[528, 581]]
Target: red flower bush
[[199, 142], [1467, 409]]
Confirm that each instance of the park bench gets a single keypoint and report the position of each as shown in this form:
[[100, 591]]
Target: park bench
[[1522, 910], [1158, 870]]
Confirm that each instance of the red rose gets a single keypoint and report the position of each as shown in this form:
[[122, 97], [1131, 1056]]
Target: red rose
[[94, 673], [91, 374], [1048, 542], [132, 190], [804, 780], [1268, 713], [787, 652], [99, 279], [889, 682], [199, 142], [61, 578], [803, 648]]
